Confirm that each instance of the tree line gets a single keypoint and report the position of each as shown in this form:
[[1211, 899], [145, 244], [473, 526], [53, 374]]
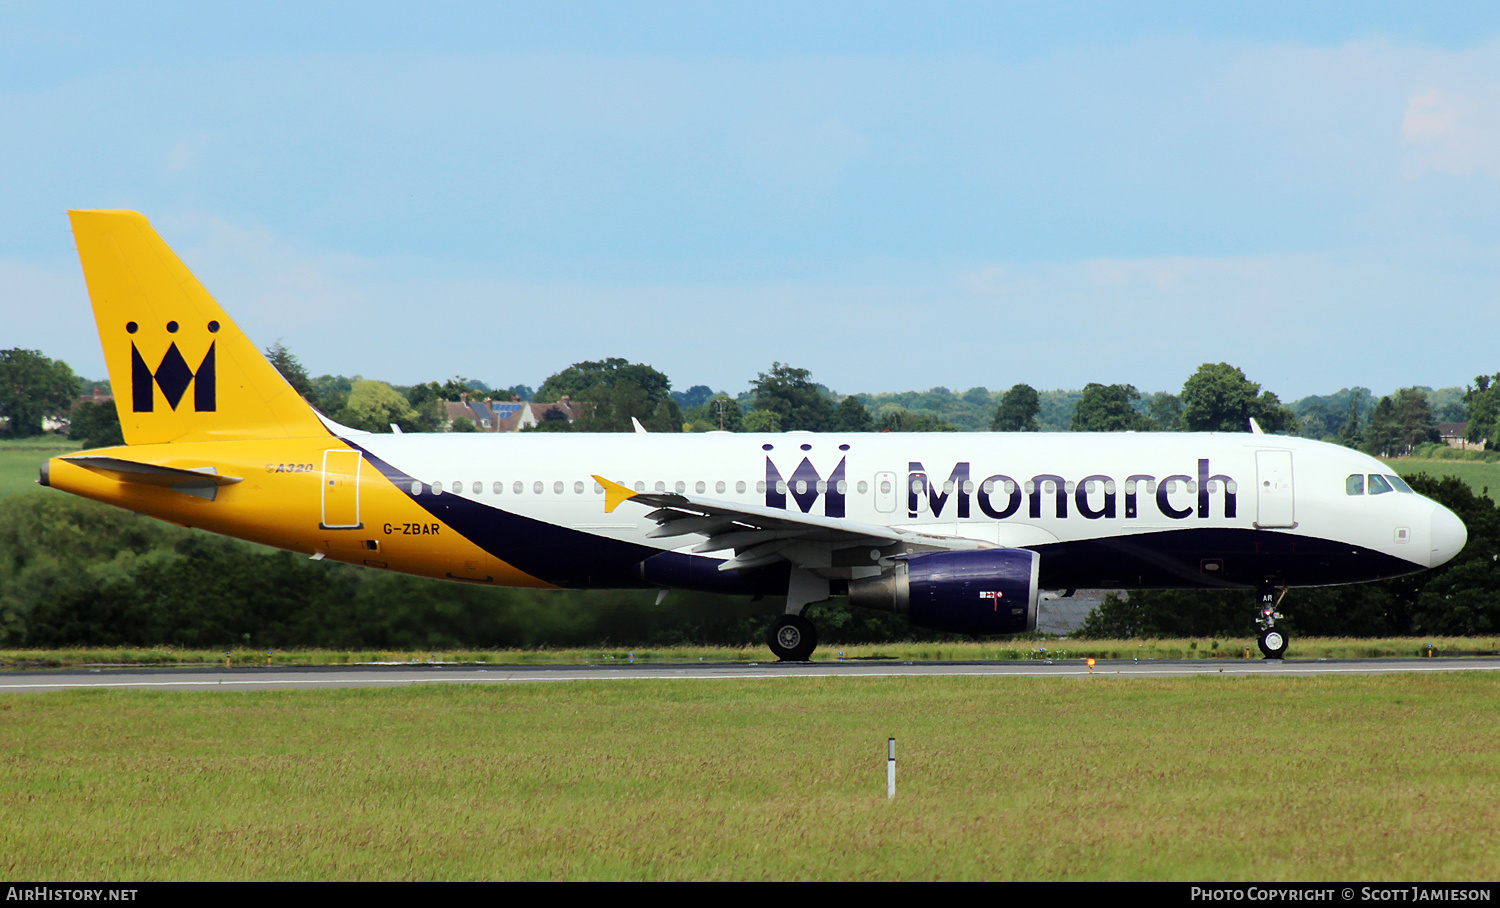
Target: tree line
[[1216, 397]]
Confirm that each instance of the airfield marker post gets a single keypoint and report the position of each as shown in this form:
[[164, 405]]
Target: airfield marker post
[[890, 768]]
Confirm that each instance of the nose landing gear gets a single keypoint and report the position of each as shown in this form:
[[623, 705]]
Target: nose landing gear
[[1272, 641]]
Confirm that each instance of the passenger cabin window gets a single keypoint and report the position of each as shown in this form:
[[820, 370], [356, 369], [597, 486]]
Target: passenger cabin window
[[1355, 484]]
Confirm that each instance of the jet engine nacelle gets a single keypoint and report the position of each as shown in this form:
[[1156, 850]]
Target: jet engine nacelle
[[993, 591]]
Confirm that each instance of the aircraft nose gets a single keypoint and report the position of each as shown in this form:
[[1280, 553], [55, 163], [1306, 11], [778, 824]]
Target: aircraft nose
[[1448, 536]]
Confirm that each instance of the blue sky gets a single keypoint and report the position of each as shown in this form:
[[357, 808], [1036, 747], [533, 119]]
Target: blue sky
[[893, 196]]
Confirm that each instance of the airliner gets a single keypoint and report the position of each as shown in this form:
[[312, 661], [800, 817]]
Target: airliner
[[961, 532]]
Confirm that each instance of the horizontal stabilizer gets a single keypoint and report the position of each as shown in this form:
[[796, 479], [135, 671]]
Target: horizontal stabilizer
[[203, 482]]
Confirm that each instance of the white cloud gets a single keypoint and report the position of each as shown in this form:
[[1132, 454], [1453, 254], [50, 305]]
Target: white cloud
[[1455, 133]]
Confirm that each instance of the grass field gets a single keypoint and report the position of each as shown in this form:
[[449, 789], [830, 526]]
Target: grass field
[[1478, 474], [1259, 779], [21, 460]]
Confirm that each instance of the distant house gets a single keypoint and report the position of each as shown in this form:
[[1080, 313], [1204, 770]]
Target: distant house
[[54, 424], [513, 415], [97, 397], [1455, 435]]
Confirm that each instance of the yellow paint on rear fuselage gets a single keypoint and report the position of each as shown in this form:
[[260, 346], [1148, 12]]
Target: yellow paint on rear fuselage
[[194, 393], [280, 503]]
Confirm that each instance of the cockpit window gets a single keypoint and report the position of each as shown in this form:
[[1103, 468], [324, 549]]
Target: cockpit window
[[1355, 484], [1400, 484], [1379, 485]]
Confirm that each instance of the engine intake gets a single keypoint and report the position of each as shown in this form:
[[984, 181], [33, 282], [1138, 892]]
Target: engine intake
[[993, 591]]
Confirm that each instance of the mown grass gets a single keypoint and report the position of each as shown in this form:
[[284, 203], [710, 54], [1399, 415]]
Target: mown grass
[[21, 460], [1215, 778], [1483, 478], [957, 651]]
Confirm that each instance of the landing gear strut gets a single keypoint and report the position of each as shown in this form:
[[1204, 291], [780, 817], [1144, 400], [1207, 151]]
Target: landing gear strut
[[1272, 641], [792, 637]]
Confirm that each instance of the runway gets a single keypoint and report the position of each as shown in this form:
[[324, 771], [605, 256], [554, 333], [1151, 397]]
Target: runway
[[200, 678]]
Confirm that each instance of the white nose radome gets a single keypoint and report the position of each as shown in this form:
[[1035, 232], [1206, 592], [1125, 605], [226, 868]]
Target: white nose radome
[[1448, 536]]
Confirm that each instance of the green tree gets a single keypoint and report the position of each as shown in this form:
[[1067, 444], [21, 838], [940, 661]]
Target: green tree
[[1350, 434], [1018, 410], [291, 369], [1483, 402], [721, 412], [693, 397], [851, 416], [332, 392], [1399, 423], [1108, 408], [374, 406], [33, 388], [761, 421], [1219, 398], [426, 399], [618, 390], [899, 420], [1165, 412], [792, 395], [1383, 434], [96, 425]]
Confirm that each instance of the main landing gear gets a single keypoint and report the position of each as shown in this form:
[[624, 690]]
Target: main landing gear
[[1272, 641], [793, 638]]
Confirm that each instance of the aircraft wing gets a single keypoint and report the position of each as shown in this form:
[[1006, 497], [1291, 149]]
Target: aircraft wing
[[761, 535]]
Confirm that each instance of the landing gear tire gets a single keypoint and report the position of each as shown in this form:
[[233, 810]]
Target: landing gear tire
[[792, 638], [1273, 643]]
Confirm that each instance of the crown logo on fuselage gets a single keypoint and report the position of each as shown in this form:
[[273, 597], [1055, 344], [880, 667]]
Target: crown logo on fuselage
[[172, 375]]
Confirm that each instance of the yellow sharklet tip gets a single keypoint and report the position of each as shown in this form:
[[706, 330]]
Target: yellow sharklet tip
[[614, 493]]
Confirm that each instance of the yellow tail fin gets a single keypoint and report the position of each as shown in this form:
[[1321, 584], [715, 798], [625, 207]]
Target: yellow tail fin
[[180, 369]]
